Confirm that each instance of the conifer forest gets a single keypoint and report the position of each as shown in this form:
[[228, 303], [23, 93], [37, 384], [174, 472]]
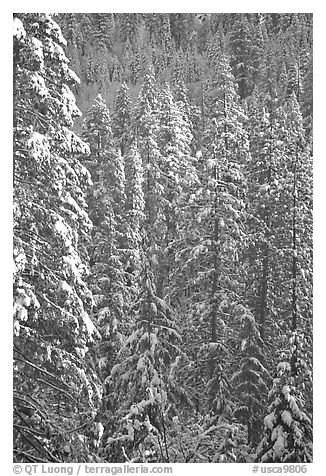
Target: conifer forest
[[162, 216]]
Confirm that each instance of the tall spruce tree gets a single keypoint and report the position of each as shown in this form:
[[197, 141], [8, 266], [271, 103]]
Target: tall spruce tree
[[107, 248], [250, 380], [218, 201], [143, 370], [56, 391], [121, 122]]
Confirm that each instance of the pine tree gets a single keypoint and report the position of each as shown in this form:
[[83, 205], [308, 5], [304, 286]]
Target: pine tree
[[307, 103], [55, 387], [128, 24], [288, 434], [117, 70], [216, 47], [69, 28], [266, 209], [242, 54], [176, 174], [107, 208], [122, 117], [135, 212], [103, 30], [218, 213], [282, 82], [181, 29], [299, 187], [294, 84], [249, 381]]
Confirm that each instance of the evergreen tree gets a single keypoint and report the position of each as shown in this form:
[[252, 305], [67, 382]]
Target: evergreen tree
[[294, 84], [216, 47], [242, 54], [174, 139], [144, 367], [307, 104], [266, 209], [122, 117], [128, 24], [249, 381], [104, 30], [226, 151], [288, 434], [299, 186], [56, 390], [135, 212], [107, 207], [218, 204]]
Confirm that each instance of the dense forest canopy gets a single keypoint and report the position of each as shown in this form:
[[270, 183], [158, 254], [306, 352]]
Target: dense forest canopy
[[162, 237]]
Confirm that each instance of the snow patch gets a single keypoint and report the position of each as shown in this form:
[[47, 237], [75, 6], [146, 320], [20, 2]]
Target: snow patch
[[72, 76], [90, 327], [279, 444], [287, 418], [65, 287], [39, 147], [38, 85], [62, 230], [37, 48], [18, 29], [269, 421]]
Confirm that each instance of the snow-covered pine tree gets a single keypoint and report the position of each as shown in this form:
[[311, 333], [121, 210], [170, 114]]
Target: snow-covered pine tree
[[225, 153], [249, 381], [103, 31], [121, 121], [190, 112], [282, 82], [135, 204], [242, 54], [176, 176], [279, 199], [294, 83], [217, 228], [216, 47], [144, 370], [267, 73], [107, 248], [56, 392], [307, 97], [287, 428], [288, 198], [180, 95], [297, 183], [127, 26], [266, 211]]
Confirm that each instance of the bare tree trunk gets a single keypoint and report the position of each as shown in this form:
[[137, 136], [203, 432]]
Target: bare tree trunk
[[264, 288]]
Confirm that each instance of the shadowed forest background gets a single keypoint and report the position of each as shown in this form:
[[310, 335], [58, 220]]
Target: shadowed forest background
[[162, 237]]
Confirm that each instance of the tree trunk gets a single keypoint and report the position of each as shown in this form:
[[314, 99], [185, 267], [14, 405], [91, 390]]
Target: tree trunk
[[264, 288], [215, 280]]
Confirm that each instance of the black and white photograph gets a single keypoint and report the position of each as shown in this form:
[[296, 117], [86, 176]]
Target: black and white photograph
[[162, 239]]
